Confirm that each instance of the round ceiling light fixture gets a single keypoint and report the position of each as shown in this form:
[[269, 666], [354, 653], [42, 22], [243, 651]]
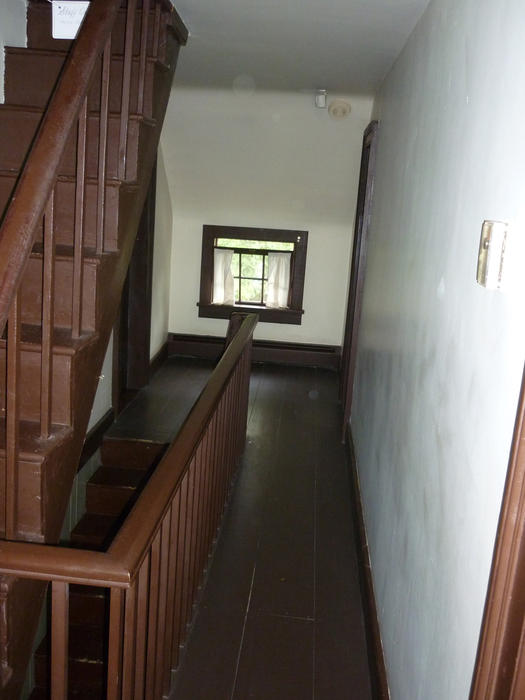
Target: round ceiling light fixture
[[338, 109]]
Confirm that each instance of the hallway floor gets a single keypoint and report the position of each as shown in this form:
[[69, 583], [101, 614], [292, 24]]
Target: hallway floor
[[281, 615]]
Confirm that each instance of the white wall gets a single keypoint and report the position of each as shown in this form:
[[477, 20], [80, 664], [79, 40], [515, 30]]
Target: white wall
[[440, 358], [103, 398], [161, 260], [265, 160], [12, 31]]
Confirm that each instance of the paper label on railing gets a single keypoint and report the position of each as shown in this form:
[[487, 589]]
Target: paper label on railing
[[67, 17]]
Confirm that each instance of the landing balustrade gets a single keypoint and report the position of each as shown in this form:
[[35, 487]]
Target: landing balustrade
[[156, 561]]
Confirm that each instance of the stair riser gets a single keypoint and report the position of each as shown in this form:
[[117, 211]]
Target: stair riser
[[29, 382], [82, 674], [39, 31], [107, 500], [132, 454], [32, 293], [29, 500], [42, 71], [18, 128], [65, 212], [87, 610]]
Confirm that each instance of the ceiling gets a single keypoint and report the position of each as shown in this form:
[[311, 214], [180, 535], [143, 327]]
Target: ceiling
[[344, 46]]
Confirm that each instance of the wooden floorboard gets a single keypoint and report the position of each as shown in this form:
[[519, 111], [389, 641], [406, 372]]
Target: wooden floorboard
[[281, 613]]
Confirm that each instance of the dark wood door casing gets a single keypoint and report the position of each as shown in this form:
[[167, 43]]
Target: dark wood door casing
[[499, 673], [357, 270]]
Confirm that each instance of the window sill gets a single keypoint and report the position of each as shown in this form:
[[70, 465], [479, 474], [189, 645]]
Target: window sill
[[266, 315]]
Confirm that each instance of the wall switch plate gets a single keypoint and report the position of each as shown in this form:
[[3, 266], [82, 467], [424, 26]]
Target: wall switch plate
[[491, 254]]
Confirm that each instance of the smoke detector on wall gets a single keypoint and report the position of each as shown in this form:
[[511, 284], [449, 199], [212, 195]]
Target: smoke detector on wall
[[338, 109]]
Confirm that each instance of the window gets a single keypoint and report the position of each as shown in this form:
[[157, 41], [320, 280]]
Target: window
[[252, 268]]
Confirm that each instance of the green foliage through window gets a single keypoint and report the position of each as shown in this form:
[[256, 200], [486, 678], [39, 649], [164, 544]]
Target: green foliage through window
[[250, 270]]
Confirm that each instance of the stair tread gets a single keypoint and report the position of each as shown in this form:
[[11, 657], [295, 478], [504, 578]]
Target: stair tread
[[110, 182], [10, 107], [31, 446], [65, 252], [93, 529], [63, 341], [61, 53], [118, 477]]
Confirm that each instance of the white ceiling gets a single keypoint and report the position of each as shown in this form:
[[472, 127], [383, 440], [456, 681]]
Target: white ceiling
[[344, 46]]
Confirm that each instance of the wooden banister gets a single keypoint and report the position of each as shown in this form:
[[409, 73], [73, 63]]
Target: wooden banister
[[40, 170], [119, 566], [155, 563], [139, 529]]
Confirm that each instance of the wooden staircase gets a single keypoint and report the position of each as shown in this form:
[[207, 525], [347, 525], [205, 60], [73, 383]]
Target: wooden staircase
[[70, 265], [111, 492]]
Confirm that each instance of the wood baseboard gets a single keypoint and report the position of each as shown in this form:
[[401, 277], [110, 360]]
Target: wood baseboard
[[158, 359], [264, 351], [376, 657], [94, 437]]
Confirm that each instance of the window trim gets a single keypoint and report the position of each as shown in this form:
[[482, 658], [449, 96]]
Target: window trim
[[294, 313]]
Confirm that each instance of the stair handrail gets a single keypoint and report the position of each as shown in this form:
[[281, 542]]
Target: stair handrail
[[26, 208], [118, 566]]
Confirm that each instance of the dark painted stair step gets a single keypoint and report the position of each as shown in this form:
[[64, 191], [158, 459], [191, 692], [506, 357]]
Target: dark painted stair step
[[86, 658], [87, 606], [94, 531], [35, 458], [18, 125], [65, 350], [65, 209], [41, 69], [96, 269], [130, 454], [111, 490]]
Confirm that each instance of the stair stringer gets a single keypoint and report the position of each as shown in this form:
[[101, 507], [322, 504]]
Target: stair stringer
[[23, 603]]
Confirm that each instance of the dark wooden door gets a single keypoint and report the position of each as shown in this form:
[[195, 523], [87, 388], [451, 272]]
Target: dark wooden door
[[499, 673], [357, 270]]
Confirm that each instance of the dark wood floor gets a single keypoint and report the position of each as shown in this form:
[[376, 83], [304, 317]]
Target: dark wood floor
[[281, 615]]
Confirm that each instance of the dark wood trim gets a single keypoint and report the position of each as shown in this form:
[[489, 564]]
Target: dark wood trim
[[292, 315], [357, 270], [498, 672], [376, 657], [180, 29], [271, 351], [158, 359], [94, 437], [264, 313], [139, 295]]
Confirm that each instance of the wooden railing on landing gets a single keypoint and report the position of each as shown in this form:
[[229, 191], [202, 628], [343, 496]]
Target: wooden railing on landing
[[155, 563], [34, 197]]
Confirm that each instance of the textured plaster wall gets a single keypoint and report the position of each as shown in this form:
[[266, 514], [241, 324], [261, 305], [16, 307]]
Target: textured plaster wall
[[440, 358], [268, 160]]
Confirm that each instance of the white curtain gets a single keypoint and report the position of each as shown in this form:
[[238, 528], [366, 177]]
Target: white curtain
[[278, 279], [223, 283]]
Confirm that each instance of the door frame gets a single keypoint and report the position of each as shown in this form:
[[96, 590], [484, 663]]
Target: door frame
[[132, 330], [499, 672], [357, 270]]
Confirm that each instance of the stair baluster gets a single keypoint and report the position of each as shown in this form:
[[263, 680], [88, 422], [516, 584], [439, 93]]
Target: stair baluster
[[48, 298], [12, 418], [78, 263], [126, 90], [143, 55], [103, 148]]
